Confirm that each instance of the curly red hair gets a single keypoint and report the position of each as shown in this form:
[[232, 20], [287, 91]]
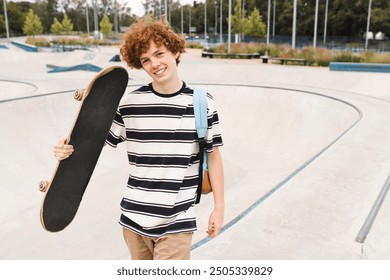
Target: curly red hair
[[138, 37]]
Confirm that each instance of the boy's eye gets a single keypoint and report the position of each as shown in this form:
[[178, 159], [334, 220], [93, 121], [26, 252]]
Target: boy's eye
[[160, 54], [143, 61]]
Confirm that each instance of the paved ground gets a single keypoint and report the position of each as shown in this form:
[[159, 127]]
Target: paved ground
[[306, 157]]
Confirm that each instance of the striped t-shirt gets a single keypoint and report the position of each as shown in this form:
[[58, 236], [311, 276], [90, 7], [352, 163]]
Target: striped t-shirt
[[163, 156]]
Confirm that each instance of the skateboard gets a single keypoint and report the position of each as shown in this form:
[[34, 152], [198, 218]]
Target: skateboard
[[64, 192]]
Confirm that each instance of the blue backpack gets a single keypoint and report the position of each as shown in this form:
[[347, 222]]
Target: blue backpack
[[200, 112]]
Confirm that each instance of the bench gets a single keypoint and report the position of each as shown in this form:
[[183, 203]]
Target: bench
[[295, 60], [230, 55], [359, 67], [282, 60]]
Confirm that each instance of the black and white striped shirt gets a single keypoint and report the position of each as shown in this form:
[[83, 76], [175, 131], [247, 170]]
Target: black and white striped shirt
[[163, 156]]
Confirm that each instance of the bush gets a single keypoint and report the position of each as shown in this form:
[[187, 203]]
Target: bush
[[38, 41], [322, 57], [313, 56], [76, 41], [236, 48], [371, 57], [316, 56], [347, 57], [194, 45]]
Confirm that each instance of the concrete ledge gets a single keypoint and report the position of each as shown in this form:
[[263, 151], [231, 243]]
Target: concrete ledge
[[359, 67], [80, 67], [26, 47]]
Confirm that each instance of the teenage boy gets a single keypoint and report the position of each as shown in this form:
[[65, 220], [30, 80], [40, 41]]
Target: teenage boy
[[157, 123]]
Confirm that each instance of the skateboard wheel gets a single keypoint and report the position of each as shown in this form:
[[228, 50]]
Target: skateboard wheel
[[78, 94], [43, 185]]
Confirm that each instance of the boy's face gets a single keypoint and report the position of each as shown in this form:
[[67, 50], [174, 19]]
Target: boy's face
[[160, 64]]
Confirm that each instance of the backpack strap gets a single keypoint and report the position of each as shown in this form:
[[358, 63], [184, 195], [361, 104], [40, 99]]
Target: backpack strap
[[200, 112]]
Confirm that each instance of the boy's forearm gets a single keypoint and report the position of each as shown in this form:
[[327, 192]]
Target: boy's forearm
[[216, 174]]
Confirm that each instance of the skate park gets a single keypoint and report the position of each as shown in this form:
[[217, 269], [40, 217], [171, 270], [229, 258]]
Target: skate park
[[305, 154]]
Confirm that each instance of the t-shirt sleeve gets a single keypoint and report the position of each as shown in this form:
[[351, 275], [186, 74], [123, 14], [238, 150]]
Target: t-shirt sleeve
[[213, 134], [117, 132]]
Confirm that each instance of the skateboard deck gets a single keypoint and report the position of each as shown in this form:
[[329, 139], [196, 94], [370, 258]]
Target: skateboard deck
[[64, 192]]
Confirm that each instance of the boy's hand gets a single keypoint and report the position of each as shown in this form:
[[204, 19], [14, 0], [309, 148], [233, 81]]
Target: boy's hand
[[61, 150], [215, 223]]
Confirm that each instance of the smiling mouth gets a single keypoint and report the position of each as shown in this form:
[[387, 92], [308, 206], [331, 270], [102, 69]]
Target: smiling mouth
[[160, 71]]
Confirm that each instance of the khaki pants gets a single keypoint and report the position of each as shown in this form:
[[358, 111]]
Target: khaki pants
[[168, 247]]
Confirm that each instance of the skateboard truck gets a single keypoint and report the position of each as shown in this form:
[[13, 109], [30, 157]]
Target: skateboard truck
[[43, 186], [78, 94]]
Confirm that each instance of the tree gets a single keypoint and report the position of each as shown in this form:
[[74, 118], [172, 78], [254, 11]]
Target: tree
[[32, 25], [46, 10], [56, 27], [67, 25], [255, 27], [105, 25], [2, 24], [239, 22]]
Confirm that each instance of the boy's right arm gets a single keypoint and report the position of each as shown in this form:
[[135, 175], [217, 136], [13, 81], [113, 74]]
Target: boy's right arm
[[62, 150]]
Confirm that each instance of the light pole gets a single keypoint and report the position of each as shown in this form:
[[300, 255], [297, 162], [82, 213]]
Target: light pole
[[87, 17], [6, 18], [326, 20], [230, 26], [95, 17], [205, 20], [315, 26], [116, 17], [268, 20], [368, 23], [294, 31], [181, 18], [189, 21], [216, 17], [274, 20], [220, 24]]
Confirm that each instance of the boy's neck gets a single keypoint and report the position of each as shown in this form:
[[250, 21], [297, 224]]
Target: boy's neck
[[168, 87]]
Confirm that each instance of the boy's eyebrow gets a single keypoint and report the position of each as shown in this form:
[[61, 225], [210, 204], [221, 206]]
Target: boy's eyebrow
[[145, 57]]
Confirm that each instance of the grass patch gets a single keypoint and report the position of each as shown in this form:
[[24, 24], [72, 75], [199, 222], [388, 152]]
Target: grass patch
[[38, 41]]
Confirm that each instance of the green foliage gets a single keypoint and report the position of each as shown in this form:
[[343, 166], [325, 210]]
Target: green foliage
[[313, 56], [316, 56], [238, 19], [2, 24], [79, 41], [38, 41], [347, 56], [67, 25], [32, 25], [194, 45], [255, 26], [345, 17], [370, 57], [56, 27], [105, 26]]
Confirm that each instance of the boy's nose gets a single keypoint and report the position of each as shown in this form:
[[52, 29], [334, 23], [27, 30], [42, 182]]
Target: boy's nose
[[155, 63]]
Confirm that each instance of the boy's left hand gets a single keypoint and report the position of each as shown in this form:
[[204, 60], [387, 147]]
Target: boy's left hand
[[215, 223]]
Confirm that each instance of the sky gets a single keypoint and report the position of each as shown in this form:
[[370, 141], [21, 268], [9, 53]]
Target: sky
[[138, 9], [135, 5]]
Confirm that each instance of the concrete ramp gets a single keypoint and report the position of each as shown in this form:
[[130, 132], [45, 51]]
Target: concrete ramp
[[98, 57], [269, 135]]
